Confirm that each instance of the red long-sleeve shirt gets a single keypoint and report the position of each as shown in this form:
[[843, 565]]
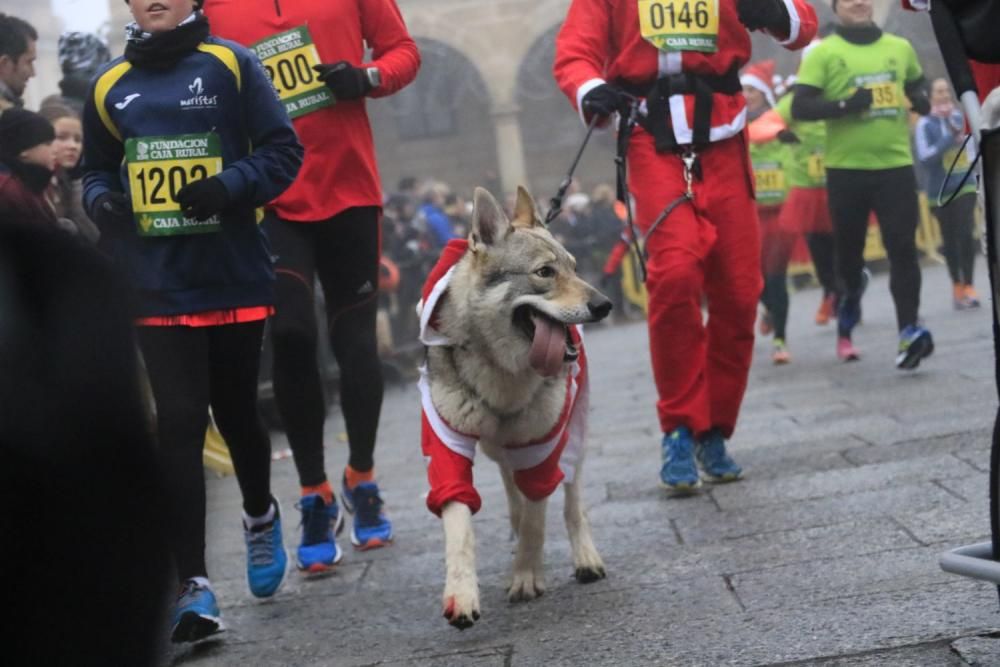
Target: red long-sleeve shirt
[[601, 41], [340, 170]]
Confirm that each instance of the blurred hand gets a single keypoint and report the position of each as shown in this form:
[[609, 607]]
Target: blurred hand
[[111, 210], [861, 100], [786, 136], [763, 14]]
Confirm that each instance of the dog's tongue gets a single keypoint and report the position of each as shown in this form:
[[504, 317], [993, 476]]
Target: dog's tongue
[[548, 346]]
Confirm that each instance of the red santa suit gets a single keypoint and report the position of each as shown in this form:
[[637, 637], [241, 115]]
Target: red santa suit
[[339, 171], [539, 466], [708, 248]]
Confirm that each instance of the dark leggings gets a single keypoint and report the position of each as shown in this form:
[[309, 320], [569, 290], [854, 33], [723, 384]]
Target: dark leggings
[[892, 195], [343, 252], [957, 221], [190, 369], [821, 249]]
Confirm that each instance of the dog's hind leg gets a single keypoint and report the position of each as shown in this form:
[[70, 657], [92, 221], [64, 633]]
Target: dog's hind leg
[[529, 569], [461, 587], [587, 563], [515, 501]]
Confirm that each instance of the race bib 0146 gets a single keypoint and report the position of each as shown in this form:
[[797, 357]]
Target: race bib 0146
[[158, 167], [680, 25], [288, 58]]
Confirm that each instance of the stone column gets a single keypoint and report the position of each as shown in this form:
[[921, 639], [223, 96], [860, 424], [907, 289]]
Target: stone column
[[510, 152]]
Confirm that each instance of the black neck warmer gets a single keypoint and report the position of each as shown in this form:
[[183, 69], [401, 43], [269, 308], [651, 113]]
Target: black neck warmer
[[163, 50], [860, 34]]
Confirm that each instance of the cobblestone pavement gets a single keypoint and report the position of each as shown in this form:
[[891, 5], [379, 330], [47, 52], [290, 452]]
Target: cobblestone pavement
[[858, 476]]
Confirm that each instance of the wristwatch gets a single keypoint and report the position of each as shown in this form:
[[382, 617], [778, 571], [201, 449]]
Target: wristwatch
[[374, 76]]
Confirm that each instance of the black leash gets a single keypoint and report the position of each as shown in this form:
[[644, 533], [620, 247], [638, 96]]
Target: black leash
[[555, 204], [625, 127], [691, 168]]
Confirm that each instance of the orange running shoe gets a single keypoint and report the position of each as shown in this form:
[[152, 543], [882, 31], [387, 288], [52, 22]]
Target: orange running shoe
[[827, 307]]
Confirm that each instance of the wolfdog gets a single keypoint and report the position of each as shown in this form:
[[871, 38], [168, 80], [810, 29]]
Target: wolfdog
[[506, 369]]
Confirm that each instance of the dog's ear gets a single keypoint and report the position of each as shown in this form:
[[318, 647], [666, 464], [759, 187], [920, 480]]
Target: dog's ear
[[525, 212], [489, 223]]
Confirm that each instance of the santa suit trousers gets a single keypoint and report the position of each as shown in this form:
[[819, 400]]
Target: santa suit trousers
[[707, 249]]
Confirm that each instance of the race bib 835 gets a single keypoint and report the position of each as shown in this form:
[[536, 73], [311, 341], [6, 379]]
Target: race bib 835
[[288, 58], [158, 167]]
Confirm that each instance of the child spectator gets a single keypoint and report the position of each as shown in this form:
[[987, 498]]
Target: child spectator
[[27, 160], [66, 193]]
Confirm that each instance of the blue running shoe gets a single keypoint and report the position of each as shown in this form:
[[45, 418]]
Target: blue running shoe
[[679, 474], [716, 464], [915, 343], [370, 529], [318, 552], [196, 614], [266, 558]]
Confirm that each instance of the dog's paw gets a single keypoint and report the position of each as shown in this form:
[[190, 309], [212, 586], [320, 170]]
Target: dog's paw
[[461, 611], [588, 567], [527, 585]]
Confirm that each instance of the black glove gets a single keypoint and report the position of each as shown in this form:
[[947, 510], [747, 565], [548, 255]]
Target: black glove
[[204, 198], [861, 100], [786, 136], [344, 80], [111, 210], [603, 100], [764, 14]]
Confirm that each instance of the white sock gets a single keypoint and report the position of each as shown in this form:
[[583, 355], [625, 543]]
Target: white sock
[[254, 521]]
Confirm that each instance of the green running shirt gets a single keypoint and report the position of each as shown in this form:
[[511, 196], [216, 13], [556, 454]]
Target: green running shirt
[[880, 137]]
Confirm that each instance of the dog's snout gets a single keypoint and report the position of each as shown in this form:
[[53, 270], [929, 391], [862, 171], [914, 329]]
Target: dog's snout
[[599, 307]]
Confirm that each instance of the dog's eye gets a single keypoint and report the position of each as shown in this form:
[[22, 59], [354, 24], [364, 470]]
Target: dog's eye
[[545, 272]]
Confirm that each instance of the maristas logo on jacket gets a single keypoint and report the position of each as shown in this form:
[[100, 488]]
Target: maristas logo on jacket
[[200, 100]]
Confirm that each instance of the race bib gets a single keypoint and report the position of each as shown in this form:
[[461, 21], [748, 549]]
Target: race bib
[[957, 157], [288, 58], [680, 25], [770, 180], [886, 97], [158, 167], [815, 168]]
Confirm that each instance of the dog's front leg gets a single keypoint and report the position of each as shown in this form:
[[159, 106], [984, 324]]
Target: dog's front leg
[[514, 500], [529, 570], [461, 587], [587, 563]]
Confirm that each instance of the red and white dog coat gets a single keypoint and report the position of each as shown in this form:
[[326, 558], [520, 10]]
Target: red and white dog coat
[[539, 466]]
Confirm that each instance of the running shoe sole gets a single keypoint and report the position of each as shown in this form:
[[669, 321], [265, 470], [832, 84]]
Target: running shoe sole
[[721, 479], [919, 349], [681, 489], [373, 543], [193, 627]]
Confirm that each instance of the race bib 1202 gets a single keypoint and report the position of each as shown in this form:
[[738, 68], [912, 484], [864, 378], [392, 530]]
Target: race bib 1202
[[288, 58], [158, 167]]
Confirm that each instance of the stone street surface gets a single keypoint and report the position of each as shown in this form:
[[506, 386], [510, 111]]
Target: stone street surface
[[857, 477]]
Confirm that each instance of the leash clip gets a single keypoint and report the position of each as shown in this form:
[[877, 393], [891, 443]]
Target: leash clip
[[689, 157]]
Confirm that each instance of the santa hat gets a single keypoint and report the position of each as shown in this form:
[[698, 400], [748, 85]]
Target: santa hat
[[759, 75]]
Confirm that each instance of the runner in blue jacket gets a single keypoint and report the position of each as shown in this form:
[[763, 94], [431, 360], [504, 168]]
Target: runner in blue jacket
[[184, 139]]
